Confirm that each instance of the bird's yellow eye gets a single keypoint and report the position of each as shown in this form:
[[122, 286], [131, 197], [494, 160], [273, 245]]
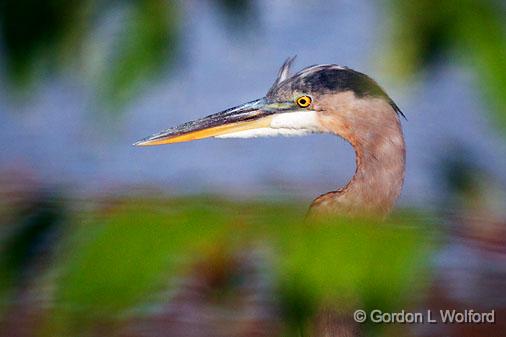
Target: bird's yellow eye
[[303, 101]]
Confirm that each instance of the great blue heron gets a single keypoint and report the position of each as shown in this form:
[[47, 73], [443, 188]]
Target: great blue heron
[[321, 99]]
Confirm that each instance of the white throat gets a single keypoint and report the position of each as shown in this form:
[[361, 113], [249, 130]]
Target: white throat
[[288, 124]]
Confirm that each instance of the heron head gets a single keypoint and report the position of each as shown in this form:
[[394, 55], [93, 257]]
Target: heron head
[[293, 106]]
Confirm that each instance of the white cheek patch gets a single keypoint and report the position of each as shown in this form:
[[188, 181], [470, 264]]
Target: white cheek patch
[[264, 132], [299, 120], [288, 124]]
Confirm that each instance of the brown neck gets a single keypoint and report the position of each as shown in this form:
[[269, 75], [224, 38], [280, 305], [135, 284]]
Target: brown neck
[[372, 127]]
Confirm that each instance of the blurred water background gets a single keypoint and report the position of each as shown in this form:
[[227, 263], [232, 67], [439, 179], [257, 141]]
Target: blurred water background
[[99, 237]]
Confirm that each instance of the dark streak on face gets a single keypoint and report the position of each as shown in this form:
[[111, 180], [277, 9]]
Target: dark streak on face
[[319, 80]]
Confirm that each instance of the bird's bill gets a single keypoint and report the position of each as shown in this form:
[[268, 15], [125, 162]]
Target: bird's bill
[[170, 137], [247, 116], [253, 119]]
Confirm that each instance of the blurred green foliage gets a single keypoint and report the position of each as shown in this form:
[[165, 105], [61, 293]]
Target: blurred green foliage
[[43, 37], [32, 231], [121, 256], [149, 41], [472, 32]]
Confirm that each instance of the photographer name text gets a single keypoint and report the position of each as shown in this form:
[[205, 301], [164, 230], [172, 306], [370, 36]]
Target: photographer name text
[[446, 316]]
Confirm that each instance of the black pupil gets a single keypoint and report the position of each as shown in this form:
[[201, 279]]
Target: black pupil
[[302, 101]]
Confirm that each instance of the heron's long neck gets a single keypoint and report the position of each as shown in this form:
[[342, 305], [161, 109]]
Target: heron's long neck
[[379, 146]]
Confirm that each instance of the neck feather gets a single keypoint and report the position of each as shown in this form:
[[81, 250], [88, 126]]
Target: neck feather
[[373, 128]]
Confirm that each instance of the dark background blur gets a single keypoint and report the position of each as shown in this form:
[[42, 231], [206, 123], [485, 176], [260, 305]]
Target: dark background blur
[[98, 237]]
